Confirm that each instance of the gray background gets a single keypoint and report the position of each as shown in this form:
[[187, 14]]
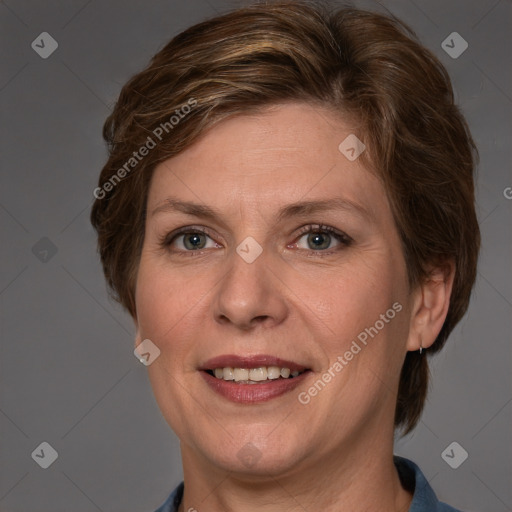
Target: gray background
[[68, 374]]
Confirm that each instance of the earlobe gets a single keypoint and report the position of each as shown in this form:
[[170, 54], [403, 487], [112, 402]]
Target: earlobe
[[431, 304]]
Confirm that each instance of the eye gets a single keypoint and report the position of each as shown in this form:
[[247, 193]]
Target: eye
[[318, 241], [189, 240], [322, 238]]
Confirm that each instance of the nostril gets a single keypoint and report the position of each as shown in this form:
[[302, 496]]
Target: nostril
[[260, 319]]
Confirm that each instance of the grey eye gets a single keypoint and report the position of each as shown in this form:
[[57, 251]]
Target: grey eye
[[194, 241], [317, 241]]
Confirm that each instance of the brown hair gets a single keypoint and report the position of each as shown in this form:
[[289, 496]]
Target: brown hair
[[361, 64]]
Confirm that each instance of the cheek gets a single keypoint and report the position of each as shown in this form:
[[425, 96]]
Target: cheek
[[162, 306], [351, 298], [362, 309], [365, 330], [164, 298]]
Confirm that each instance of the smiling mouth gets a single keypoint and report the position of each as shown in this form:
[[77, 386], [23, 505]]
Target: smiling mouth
[[254, 375], [251, 379]]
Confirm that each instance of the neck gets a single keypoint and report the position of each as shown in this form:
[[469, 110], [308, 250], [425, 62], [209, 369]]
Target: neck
[[346, 481]]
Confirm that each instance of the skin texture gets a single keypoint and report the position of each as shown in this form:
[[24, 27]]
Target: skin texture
[[295, 302]]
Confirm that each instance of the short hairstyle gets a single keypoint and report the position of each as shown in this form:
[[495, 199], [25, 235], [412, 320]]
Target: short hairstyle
[[367, 67]]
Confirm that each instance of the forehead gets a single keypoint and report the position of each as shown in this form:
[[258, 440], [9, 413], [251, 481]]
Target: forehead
[[282, 155]]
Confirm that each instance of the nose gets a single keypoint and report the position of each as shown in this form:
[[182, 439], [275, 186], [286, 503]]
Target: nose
[[250, 295]]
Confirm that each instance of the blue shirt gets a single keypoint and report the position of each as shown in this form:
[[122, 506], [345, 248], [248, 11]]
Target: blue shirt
[[424, 498]]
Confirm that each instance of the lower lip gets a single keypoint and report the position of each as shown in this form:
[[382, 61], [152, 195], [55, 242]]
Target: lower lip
[[252, 393]]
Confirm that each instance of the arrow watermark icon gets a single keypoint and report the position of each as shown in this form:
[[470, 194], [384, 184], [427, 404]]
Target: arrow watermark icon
[[454, 45], [454, 455], [249, 250], [44, 45], [146, 352], [351, 147], [45, 455]]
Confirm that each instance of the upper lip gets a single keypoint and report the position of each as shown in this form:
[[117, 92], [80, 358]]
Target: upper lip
[[254, 361]]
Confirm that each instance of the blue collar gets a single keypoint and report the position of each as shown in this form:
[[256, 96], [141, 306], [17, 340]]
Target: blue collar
[[424, 498]]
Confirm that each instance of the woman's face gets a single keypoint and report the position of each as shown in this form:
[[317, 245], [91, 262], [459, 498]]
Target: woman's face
[[266, 247]]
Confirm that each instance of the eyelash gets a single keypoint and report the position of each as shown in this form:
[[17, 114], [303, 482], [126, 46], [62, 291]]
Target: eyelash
[[342, 238]]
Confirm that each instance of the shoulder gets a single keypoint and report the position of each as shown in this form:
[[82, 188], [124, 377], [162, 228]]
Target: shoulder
[[172, 503], [424, 498]]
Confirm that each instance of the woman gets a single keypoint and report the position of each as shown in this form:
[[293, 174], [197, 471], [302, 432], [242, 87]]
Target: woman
[[287, 213]]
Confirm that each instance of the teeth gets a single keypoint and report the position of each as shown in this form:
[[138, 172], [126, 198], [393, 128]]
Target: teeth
[[258, 374], [273, 372], [241, 374], [285, 372], [254, 375], [225, 373]]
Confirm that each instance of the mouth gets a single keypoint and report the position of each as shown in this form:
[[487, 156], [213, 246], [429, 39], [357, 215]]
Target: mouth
[[251, 379], [254, 375]]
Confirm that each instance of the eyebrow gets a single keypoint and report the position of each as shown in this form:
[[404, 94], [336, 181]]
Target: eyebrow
[[170, 205], [305, 208], [298, 209]]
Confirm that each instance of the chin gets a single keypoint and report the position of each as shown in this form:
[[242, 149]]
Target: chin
[[251, 452]]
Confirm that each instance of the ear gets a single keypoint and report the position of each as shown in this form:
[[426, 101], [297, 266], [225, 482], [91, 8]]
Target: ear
[[138, 338], [430, 306]]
